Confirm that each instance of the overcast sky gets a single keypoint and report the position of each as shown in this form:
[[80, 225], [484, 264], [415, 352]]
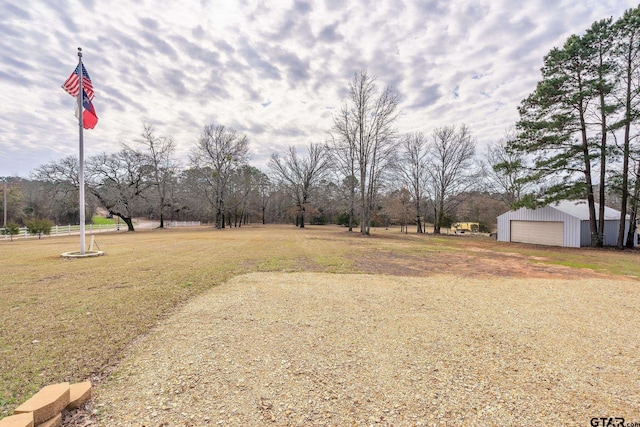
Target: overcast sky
[[274, 70]]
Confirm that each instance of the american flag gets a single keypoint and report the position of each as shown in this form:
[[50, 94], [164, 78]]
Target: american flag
[[72, 85]]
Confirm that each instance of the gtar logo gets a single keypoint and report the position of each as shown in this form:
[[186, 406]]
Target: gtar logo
[[607, 422]]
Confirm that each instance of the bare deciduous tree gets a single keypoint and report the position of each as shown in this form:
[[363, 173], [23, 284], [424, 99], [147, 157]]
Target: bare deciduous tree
[[366, 133], [399, 208], [506, 171], [243, 194], [220, 151], [343, 155], [412, 168], [163, 167], [265, 189], [60, 181], [451, 168], [120, 182], [299, 174]]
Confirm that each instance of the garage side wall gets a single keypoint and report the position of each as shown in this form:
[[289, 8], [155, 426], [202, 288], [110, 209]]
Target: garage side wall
[[610, 233], [571, 233]]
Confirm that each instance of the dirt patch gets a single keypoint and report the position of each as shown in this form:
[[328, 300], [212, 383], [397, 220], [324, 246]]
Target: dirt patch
[[330, 349], [478, 262]]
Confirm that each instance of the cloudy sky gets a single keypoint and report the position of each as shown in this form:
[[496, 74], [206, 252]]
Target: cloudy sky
[[274, 70]]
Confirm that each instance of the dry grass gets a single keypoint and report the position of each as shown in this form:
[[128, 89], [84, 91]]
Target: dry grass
[[71, 319]]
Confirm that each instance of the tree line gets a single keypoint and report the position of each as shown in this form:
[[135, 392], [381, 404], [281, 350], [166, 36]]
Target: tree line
[[576, 138], [383, 182]]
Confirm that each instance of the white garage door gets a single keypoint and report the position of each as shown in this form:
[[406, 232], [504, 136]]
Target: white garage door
[[538, 232]]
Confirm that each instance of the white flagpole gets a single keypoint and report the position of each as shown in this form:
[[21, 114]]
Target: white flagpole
[[81, 163]]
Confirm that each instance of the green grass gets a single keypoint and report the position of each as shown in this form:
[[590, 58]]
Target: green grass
[[69, 320], [577, 264], [100, 220]]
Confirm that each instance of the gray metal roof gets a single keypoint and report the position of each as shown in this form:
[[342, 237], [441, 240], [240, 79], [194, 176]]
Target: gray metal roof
[[580, 209]]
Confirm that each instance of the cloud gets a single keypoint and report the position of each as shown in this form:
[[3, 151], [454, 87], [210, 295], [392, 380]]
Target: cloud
[[196, 52], [13, 11], [258, 62], [297, 69], [225, 47], [277, 70], [119, 41], [426, 96], [149, 23], [302, 7], [14, 78], [330, 34], [175, 79], [214, 87], [159, 45]]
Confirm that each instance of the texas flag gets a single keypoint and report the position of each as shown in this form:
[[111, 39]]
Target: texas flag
[[89, 116]]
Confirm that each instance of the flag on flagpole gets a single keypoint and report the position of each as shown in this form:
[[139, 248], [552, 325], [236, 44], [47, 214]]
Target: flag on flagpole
[[89, 117], [72, 85]]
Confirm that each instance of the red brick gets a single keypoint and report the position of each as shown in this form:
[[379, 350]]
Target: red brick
[[47, 403], [20, 420], [79, 393], [53, 422]]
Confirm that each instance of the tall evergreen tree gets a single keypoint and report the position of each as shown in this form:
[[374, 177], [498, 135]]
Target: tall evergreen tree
[[626, 50], [598, 43], [553, 128]]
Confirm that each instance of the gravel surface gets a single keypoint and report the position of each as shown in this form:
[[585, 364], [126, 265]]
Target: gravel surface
[[343, 350]]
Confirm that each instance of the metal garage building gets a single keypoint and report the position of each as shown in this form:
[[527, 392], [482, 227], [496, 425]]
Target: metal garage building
[[564, 223]]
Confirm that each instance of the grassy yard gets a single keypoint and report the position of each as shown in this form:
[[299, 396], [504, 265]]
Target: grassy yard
[[102, 220], [69, 320]]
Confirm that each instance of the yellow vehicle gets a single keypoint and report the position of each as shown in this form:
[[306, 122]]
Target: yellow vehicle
[[465, 227]]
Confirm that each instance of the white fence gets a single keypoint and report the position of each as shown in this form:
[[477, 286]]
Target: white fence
[[183, 223], [67, 230]]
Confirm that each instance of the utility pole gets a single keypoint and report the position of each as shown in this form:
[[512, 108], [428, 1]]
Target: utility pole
[[4, 205]]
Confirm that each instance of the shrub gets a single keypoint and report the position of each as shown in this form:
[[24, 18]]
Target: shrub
[[11, 229], [484, 228], [343, 219], [39, 226]]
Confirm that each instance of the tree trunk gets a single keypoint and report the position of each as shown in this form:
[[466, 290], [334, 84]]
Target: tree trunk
[[603, 172], [625, 166], [435, 219], [437, 229], [439, 218], [363, 205], [352, 208], [127, 221], [633, 214], [593, 225]]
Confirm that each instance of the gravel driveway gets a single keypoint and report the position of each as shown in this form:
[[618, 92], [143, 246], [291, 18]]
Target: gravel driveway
[[337, 350]]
